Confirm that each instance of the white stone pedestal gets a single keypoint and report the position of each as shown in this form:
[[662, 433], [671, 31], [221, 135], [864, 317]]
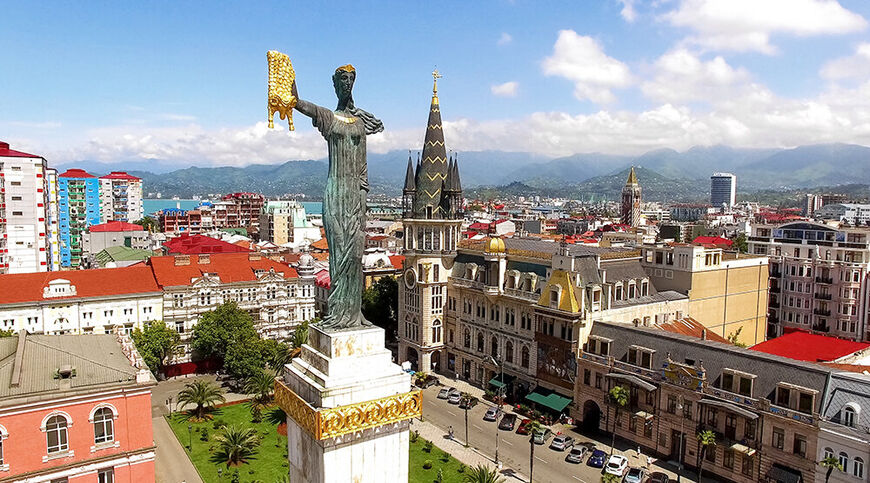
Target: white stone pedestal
[[354, 426]]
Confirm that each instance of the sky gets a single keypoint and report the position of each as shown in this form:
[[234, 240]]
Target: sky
[[184, 82]]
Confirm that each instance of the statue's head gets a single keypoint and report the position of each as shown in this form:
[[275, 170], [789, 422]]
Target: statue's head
[[343, 80]]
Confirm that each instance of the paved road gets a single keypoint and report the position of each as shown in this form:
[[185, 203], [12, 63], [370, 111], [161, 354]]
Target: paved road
[[172, 464], [549, 466]]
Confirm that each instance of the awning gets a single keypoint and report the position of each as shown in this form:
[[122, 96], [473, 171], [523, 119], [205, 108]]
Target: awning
[[742, 448], [729, 407], [643, 415], [549, 399], [633, 380], [497, 380], [781, 474]]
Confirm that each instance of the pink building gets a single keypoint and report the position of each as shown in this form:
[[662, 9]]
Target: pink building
[[74, 409]]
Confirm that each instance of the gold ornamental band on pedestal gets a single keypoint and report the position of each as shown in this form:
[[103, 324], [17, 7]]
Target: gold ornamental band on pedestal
[[332, 422]]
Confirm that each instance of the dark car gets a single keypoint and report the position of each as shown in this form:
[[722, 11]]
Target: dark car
[[658, 477], [597, 459], [427, 381], [468, 402], [507, 422], [524, 426]]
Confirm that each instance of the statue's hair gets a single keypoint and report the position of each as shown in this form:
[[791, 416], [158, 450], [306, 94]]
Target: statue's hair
[[345, 68]]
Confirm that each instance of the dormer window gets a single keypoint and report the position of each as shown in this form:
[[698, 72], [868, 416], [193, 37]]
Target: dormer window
[[796, 397], [640, 356], [737, 382], [617, 292], [850, 415], [599, 345]]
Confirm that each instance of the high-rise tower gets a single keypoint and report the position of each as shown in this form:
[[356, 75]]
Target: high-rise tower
[[631, 200], [432, 215]]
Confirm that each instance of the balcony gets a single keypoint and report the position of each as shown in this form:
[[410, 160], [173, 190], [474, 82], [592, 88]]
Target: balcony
[[774, 290], [521, 294], [822, 312], [825, 280], [824, 296]]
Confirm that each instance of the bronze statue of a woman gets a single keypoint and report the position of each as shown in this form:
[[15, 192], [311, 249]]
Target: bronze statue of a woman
[[344, 202]]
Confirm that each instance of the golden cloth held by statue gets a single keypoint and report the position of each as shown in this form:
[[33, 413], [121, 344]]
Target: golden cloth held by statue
[[281, 79]]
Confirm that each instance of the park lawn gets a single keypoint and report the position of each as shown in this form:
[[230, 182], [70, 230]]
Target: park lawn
[[270, 463], [416, 473]]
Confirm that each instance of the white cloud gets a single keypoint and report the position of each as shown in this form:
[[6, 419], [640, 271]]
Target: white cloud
[[581, 60], [747, 25], [505, 39], [681, 76], [856, 66], [629, 14], [508, 89], [177, 117]]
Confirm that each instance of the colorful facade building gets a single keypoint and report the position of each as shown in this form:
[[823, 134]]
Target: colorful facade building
[[74, 409], [79, 208], [120, 197]]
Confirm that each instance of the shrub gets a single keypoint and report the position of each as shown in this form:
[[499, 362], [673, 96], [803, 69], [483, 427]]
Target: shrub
[[203, 434], [427, 464], [414, 436], [440, 477], [461, 468], [445, 456], [427, 446], [218, 424]]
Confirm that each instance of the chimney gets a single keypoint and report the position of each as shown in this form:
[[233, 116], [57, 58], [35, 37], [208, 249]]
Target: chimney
[[703, 334], [182, 260], [204, 259], [254, 256]]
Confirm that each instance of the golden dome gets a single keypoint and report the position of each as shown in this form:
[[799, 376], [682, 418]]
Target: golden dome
[[495, 245]]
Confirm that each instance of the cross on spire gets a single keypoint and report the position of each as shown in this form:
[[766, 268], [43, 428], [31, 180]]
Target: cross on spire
[[435, 77]]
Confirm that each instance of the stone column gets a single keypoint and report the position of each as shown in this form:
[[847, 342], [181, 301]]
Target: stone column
[[348, 409]]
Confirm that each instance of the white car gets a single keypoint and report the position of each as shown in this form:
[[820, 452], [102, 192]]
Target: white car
[[616, 465]]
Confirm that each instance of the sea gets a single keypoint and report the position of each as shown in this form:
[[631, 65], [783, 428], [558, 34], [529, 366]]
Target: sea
[[152, 206]]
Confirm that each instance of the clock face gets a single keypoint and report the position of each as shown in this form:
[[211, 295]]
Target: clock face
[[410, 278]]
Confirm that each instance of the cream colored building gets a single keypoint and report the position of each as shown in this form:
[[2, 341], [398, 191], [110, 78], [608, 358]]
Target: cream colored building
[[284, 223]]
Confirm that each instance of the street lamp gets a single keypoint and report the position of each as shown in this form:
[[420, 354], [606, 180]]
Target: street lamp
[[190, 438], [500, 366], [682, 438]]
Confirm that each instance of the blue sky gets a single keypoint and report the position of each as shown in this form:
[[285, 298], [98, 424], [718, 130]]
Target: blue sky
[[185, 82]]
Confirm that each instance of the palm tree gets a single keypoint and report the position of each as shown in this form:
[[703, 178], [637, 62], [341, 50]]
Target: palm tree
[[260, 385], [619, 398], [236, 445], [831, 463], [482, 474], [706, 439], [533, 428], [202, 394]]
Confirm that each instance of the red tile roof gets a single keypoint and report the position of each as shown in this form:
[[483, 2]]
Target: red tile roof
[[196, 244], [803, 346], [691, 327], [116, 226], [28, 287], [321, 279], [120, 175], [320, 244], [229, 267], [712, 240], [76, 173], [11, 153], [397, 261]]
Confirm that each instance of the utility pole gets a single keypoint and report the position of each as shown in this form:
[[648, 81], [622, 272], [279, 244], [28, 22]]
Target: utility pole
[[682, 438]]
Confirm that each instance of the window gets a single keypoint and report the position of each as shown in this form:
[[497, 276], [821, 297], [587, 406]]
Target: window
[[712, 417], [727, 381], [829, 453], [805, 403], [525, 357], [56, 434], [104, 426], [849, 416], [745, 387], [747, 465], [509, 352], [783, 394], [480, 342], [106, 476], [493, 348], [858, 467], [179, 326], [598, 380], [587, 376], [2, 435], [710, 454], [687, 410], [749, 429], [800, 445], [777, 440], [467, 339], [436, 331], [632, 424], [843, 458], [672, 404]]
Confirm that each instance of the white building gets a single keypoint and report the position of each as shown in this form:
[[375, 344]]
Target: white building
[[284, 223], [26, 229], [844, 429], [853, 213], [79, 301], [723, 189], [120, 197]]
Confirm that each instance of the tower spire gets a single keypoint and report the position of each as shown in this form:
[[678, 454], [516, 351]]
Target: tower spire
[[434, 166]]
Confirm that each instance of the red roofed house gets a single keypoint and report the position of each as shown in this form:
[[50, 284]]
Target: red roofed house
[[121, 197], [804, 346], [713, 242], [276, 295], [195, 244]]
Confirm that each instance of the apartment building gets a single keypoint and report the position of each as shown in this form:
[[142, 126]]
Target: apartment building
[[28, 230], [236, 210], [120, 197], [818, 276], [284, 222], [74, 408], [727, 290], [844, 430], [765, 411], [79, 208]]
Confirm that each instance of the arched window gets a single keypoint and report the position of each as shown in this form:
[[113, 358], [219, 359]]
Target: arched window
[[525, 357], [849, 416], [467, 338], [631, 290], [56, 434], [844, 460], [858, 467], [3, 436], [617, 292], [493, 349], [829, 453], [480, 342], [436, 331], [104, 425], [509, 352]]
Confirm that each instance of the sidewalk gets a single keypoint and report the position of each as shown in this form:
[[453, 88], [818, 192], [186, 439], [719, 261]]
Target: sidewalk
[[171, 463], [468, 456]]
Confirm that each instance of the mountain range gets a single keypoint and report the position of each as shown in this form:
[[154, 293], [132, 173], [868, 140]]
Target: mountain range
[[665, 174]]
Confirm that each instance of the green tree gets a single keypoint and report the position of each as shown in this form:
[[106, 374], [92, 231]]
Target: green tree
[[734, 336], [201, 394], [533, 427], [380, 305], [245, 359], [300, 334], [156, 343], [609, 478], [260, 385], [831, 463], [236, 445], [740, 244], [149, 224], [618, 397], [221, 329], [482, 474], [706, 440]]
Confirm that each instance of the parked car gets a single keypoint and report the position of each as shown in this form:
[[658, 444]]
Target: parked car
[[491, 414], [444, 393], [453, 391], [454, 398], [542, 435], [427, 381], [507, 422], [523, 428], [468, 402], [658, 477], [597, 459], [576, 454], [617, 465], [635, 475], [562, 442]]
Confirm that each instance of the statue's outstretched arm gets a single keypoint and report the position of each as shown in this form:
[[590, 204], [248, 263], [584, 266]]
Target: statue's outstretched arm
[[305, 107]]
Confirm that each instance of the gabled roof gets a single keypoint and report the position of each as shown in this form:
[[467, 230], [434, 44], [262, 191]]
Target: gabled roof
[[569, 301], [28, 287], [196, 244], [120, 175], [691, 327], [11, 153], [803, 346], [229, 267], [76, 173], [115, 226], [712, 240]]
